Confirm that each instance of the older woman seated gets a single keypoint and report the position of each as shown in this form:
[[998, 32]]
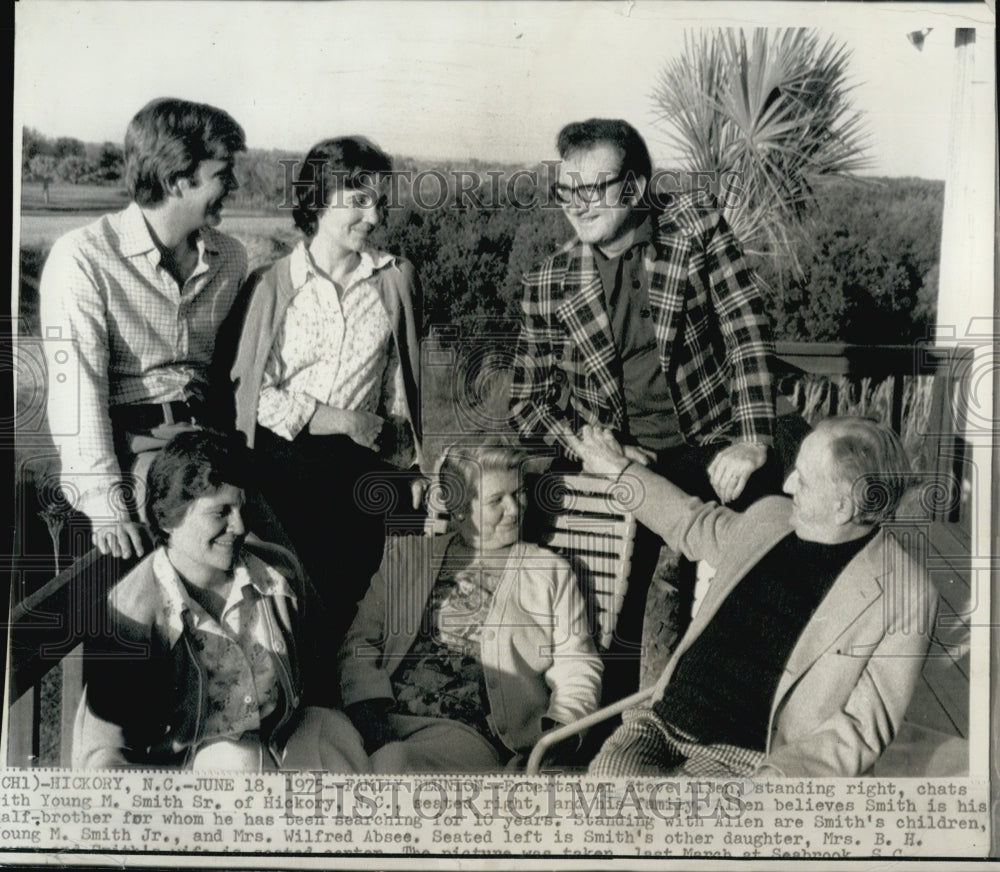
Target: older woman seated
[[470, 645], [201, 664]]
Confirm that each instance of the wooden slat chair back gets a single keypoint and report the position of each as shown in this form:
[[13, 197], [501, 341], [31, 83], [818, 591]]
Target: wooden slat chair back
[[577, 517]]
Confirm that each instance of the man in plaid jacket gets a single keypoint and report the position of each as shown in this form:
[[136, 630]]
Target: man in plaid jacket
[[648, 322]]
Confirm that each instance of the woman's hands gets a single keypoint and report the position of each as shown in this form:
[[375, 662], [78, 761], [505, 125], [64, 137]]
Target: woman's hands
[[363, 427]]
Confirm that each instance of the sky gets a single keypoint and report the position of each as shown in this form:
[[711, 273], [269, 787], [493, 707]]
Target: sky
[[486, 80]]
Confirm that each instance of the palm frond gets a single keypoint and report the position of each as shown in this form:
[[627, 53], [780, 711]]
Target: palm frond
[[772, 106]]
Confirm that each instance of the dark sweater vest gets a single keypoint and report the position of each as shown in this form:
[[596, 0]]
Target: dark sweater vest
[[723, 685]]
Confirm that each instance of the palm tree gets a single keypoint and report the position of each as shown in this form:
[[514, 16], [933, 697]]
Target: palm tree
[[768, 117]]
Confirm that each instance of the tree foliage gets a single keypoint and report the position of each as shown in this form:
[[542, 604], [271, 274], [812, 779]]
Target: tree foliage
[[868, 258], [110, 161], [33, 144], [869, 265], [72, 168], [264, 178], [69, 159], [471, 252], [67, 146], [868, 252], [43, 168]]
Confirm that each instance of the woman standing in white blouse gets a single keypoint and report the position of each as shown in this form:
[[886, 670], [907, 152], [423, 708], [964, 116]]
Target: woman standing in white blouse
[[326, 374]]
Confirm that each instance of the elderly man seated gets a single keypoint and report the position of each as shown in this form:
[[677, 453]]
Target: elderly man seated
[[804, 655]]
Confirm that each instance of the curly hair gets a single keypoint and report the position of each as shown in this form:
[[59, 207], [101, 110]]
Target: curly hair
[[192, 464], [461, 467]]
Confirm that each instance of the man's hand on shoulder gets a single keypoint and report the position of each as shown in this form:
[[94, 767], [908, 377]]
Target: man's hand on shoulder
[[119, 540], [732, 467]]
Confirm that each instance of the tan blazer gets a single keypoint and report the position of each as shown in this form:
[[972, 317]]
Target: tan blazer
[[850, 676]]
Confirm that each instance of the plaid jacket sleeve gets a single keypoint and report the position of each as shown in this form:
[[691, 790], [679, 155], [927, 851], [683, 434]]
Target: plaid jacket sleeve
[[746, 331], [538, 397]]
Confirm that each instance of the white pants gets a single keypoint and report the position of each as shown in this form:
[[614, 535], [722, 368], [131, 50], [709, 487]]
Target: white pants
[[324, 741], [425, 745]]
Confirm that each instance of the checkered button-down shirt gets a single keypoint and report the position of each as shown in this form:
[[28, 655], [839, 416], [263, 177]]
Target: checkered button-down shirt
[[713, 334], [117, 330]]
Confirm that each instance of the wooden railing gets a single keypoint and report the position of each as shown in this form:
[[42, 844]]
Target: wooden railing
[[919, 390], [46, 631], [47, 626], [840, 361]]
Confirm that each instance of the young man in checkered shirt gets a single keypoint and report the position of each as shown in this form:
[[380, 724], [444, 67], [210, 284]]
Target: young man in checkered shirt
[[648, 322], [131, 306]]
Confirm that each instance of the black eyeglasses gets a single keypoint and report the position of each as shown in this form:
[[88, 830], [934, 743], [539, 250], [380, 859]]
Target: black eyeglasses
[[565, 194]]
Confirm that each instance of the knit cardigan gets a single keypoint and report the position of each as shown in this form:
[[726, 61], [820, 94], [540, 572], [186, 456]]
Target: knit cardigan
[[269, 294]]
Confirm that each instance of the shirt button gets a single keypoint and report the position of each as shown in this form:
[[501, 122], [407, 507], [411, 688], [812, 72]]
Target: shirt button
[[279, 647], [493, 683], [636, 284], [489, 634], [248, 699], [644, 313]]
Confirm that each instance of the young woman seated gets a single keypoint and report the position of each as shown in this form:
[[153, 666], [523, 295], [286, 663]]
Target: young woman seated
[[468, 646], [201, 661]]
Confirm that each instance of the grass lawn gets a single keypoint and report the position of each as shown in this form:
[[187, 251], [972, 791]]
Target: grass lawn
[[41, 227], [64, 197]]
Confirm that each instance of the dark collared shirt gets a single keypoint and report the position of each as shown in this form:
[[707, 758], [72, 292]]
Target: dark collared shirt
[[651, 421]]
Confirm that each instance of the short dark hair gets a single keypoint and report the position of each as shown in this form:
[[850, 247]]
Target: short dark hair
[[346, 163], [581, 135], [169, 138], [870, 459], [192, 464]]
